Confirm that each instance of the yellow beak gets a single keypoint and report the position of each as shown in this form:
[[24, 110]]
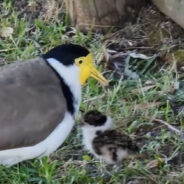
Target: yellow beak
[[98, 76], [87, 69]]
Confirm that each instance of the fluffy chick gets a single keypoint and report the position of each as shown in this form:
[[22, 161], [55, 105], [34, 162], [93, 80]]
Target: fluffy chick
[[106, 144]]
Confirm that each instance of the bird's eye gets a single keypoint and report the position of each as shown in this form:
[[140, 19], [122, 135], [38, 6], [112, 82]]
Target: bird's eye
[[80, 61]]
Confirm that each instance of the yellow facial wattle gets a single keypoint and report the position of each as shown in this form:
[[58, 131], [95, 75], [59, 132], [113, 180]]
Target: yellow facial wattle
[[87, 69]]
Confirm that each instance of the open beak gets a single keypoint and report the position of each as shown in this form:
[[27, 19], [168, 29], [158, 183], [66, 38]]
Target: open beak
[[98, 76]]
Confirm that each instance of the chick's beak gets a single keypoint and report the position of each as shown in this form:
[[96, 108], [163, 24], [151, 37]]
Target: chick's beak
[[98, 76]]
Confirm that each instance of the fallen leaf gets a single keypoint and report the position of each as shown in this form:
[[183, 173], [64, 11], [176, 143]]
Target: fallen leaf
[[144, 106], [135, 91], [141, 56], [86, 157], [152, 164], [6, 32], [149, 83]]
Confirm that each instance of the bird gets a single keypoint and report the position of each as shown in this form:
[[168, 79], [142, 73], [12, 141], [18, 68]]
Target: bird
[[39, 100], [103, 142]]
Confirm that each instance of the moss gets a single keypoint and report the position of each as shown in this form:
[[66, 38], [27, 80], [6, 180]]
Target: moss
[[177, 55], [157, 37]]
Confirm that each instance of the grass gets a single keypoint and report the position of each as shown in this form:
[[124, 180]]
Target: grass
[[127, 101]]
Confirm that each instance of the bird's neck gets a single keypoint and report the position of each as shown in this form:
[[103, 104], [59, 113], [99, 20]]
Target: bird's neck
[[70, 77]]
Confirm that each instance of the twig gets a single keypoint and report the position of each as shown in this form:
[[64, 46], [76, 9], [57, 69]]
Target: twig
[[150, 48], [5, 50], [172, 128]]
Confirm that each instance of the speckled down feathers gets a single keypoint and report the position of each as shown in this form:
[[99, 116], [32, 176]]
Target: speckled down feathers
[[114, 141], [106, 144]]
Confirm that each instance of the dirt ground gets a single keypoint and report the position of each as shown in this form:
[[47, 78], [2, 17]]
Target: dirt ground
[[152, 33], [44, 10]]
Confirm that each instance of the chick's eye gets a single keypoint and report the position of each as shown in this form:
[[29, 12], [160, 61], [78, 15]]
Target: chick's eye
[[80, 61]]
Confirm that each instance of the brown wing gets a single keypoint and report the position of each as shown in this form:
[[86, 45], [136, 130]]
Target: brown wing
[[114, 139], [31, 103]]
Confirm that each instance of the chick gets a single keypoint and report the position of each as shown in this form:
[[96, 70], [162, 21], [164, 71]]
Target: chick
[[106, 144]]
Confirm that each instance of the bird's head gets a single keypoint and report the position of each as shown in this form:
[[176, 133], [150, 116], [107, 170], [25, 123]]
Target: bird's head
[[71, 54], [97, 120]]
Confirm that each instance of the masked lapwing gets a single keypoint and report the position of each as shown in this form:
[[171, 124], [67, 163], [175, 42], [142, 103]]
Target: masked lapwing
[[105, 143], [39, 99]]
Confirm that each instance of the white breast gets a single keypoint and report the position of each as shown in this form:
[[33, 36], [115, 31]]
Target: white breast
[[89, 133]]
